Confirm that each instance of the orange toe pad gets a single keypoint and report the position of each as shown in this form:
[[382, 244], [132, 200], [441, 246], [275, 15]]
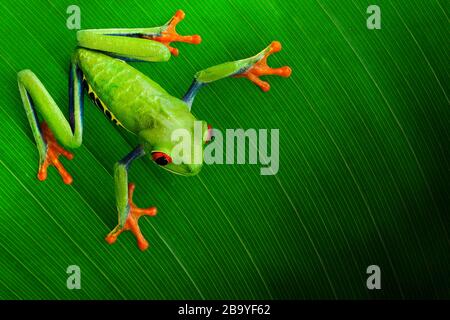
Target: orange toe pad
[[54, 150], [169, 34], [261, 68], [132, 222]]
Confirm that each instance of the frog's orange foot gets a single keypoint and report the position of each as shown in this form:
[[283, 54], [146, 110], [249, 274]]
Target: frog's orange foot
[[54, 150], [169, 34], [132, 222], [261, 68]]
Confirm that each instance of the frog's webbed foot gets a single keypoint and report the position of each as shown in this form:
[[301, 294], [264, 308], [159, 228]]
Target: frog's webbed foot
[[54, 150], [132, 221], [169, 34], [260, 68]]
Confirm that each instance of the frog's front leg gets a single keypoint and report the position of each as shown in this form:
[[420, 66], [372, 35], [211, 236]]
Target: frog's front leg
[[36, 99], [251, 68], [129, 213]]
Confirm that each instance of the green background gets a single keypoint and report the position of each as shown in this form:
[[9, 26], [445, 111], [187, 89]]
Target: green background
[[364, 158]]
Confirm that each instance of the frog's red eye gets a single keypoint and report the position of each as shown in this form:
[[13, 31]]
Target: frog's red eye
[[209, 137], [161, 158]]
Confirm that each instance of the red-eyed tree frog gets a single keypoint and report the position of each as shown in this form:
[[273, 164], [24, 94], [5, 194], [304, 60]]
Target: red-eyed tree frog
[[130, 100]]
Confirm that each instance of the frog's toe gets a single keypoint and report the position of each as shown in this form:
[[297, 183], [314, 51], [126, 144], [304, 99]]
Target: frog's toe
[[132, 222], [260, 68], [169, 34], [54, 150]]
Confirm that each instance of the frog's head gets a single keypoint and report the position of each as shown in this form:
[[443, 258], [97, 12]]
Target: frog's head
[[168, 147]]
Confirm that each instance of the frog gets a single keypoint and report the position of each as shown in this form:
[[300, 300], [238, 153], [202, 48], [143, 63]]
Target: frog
[[100, 67]]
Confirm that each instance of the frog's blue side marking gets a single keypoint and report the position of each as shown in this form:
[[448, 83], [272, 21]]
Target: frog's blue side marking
[[132, 35], [136, 153], [123, 58], [79, 95], [192, 92]]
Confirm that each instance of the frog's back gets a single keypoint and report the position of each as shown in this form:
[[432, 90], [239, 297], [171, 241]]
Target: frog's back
[[127, 96]]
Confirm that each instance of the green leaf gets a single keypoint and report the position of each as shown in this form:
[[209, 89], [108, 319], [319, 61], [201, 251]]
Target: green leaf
[[364, 148]]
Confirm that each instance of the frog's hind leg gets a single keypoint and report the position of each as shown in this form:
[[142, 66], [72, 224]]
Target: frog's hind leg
[[36, 99], [251, 68], [137, 44]]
